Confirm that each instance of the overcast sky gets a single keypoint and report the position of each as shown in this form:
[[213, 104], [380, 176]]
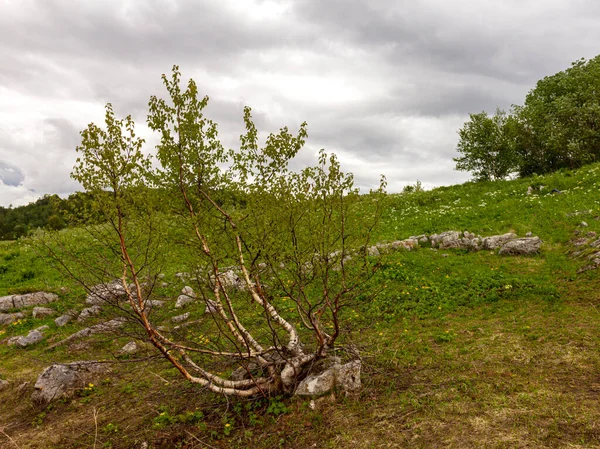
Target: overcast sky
[[384, 84]]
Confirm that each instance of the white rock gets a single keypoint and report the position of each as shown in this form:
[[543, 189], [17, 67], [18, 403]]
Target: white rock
[[346, 377]]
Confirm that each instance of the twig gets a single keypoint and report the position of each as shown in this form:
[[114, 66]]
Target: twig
[[199, 440], [160, 377], [11, 440], [96, 425]]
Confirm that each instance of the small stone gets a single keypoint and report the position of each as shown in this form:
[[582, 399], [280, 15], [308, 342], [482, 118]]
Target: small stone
[[445, 255], [41, 312], [180, 318], [22, 387], [189, 291], [154, 303], [7, 318], [130, 348], [211, 307], [529, 234], [89, 312], [102, 293], [3, 384], [187, 296], [584, 224], [373, 251], [63, 319], [34, 336]]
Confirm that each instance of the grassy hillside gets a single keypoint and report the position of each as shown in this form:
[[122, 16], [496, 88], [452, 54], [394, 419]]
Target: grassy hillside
[[459, 349]]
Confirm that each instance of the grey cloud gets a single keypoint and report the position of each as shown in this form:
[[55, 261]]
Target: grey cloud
[[10, 174], [416, 70], [63, 134], [504, 40]]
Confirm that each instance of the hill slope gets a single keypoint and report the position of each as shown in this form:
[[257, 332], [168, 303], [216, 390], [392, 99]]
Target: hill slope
[[459, 349]]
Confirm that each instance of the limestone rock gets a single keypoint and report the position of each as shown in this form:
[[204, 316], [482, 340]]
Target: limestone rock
[[496, 241], [41, 312], [211, 307], [63, 319], [187, 296], [3, 384], [345, 377], [348, 376], [29, 299], [180, 318], [7, 318], [373, 251], [154, 303], [448, 239], [130, 348], [102, 293], [231, 281], [34, 336], [317, 384], [60, 380], [108, 326], [88, 313], [521, 246]]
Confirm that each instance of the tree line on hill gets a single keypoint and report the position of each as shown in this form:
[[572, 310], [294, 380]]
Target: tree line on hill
[[557, 127], [52, 212], [49, 212]]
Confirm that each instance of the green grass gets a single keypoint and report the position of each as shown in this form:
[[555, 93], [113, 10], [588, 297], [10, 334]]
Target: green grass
[[465, 350]]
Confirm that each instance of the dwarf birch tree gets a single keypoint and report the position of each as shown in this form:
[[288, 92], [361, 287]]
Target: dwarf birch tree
[[275, 255]]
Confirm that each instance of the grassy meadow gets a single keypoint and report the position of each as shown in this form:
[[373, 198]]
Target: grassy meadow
[[459, 349]]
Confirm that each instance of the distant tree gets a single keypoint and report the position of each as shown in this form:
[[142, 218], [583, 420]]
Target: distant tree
[[560, 120], [487, 145], [292, 243]]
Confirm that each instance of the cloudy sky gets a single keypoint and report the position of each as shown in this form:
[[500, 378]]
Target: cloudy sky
[[384, 84]]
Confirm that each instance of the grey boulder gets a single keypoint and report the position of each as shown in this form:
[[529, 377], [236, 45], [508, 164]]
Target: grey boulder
[[61, 380], [521, 246], [26, 300]]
